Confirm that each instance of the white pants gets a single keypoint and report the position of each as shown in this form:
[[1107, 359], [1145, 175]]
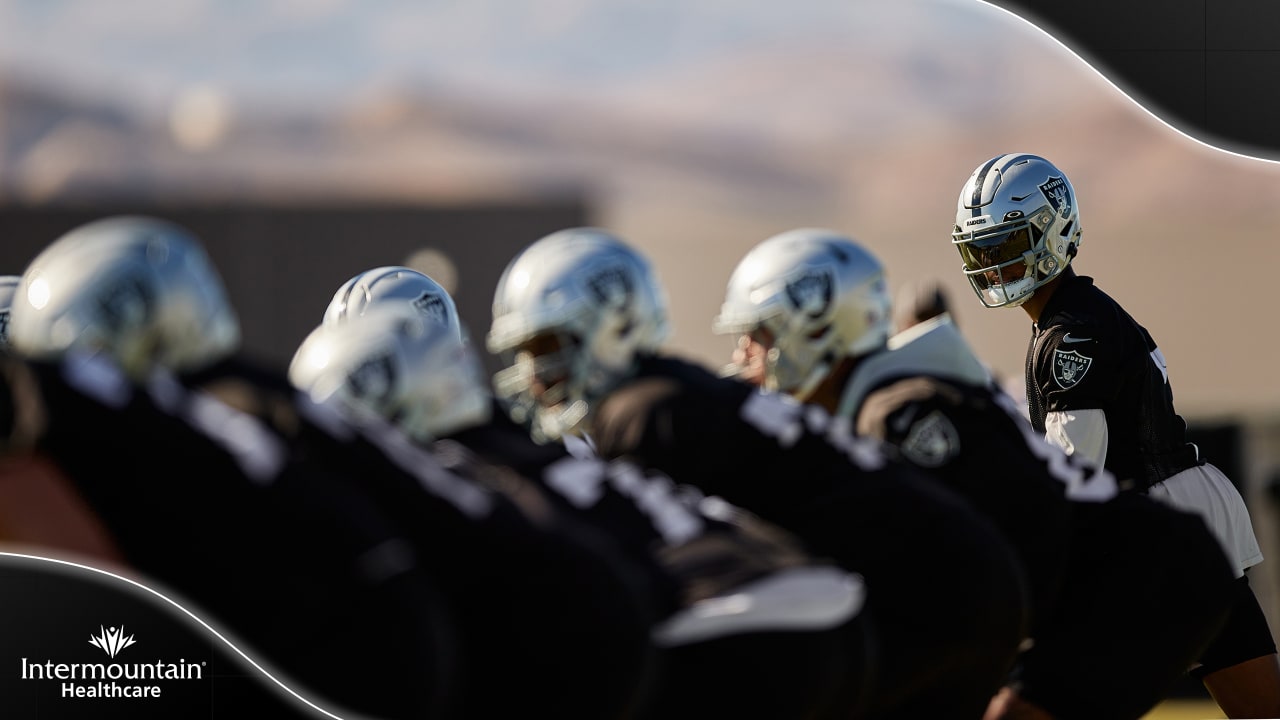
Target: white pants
[[1208, 492]]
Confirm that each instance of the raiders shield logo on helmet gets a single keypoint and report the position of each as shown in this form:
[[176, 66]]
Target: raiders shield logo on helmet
[[373, 379], [811, 293], [1055, 191], [431, 305], [128, 301], [1069, 368], [610, 287]]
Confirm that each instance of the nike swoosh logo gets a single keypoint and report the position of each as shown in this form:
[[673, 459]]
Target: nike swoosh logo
[[1068, 339]]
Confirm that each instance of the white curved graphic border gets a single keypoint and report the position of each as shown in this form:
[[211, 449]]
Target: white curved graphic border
[[1127, 93], [135, 586]]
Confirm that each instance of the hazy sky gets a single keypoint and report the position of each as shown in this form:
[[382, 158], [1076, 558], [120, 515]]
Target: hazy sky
[[300, 48]]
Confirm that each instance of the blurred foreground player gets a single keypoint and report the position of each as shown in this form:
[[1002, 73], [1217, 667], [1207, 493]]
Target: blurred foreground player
[[511, 583], [733, 594]]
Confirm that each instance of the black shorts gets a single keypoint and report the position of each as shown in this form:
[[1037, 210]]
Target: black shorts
[[1147, 589], [1245, 636]]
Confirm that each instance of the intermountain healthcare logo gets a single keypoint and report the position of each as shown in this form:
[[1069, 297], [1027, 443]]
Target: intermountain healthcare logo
[[100, 680], [112, 641]]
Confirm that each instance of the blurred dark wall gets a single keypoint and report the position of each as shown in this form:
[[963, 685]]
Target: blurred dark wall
[[282, 264]]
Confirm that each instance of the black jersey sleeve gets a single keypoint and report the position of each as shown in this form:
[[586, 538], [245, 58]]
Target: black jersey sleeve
[[1078, 367]]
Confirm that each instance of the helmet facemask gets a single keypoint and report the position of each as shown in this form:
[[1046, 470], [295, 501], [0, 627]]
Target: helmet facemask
[[553, 380], [799, 356], [545, 390]]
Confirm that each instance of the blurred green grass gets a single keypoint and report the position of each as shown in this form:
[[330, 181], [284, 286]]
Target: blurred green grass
[[1185, 709]]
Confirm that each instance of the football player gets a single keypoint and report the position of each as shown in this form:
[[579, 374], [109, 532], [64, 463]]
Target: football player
[[732, 593], [1098, 387], [1125, 592], [527, 595], [579, 316]]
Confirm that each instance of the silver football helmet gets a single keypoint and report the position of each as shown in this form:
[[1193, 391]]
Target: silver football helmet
[[8, 288], [393, 284], [396, 364], [821, 296], [1017, 227], [140, 289], [570, 316]]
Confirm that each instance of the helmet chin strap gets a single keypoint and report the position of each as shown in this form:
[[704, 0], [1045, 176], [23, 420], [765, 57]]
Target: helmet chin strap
[[803, 390]]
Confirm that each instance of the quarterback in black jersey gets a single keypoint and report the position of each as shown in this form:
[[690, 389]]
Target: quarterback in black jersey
[[1125, 592], [1098, 387], [578, 317], [731, 594], [527, 595]]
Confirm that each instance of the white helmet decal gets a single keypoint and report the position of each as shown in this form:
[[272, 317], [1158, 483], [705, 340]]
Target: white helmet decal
[[1058, 194]]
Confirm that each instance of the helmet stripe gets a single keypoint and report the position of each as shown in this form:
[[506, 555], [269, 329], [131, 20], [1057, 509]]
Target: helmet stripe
[[1005, 161], [976, 201]]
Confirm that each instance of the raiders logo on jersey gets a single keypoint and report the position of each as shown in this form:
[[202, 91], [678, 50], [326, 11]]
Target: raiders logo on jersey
[[932, 441], [1069, 368]]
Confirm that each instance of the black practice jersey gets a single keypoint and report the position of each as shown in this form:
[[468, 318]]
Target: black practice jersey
[[533, 593], [1086, 352], [687, 546], [209, 504], [791, 464], [943, 588], [762, 451]]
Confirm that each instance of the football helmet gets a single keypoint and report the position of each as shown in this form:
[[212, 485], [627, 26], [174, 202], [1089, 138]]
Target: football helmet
[[394, 284], [8, 287], [397, 364], [140, 289], [1017, 227], [570, 316], [821, 296]]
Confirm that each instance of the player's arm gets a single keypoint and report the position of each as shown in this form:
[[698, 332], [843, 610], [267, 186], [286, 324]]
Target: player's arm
[[1079, 374], [1080, 433]]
